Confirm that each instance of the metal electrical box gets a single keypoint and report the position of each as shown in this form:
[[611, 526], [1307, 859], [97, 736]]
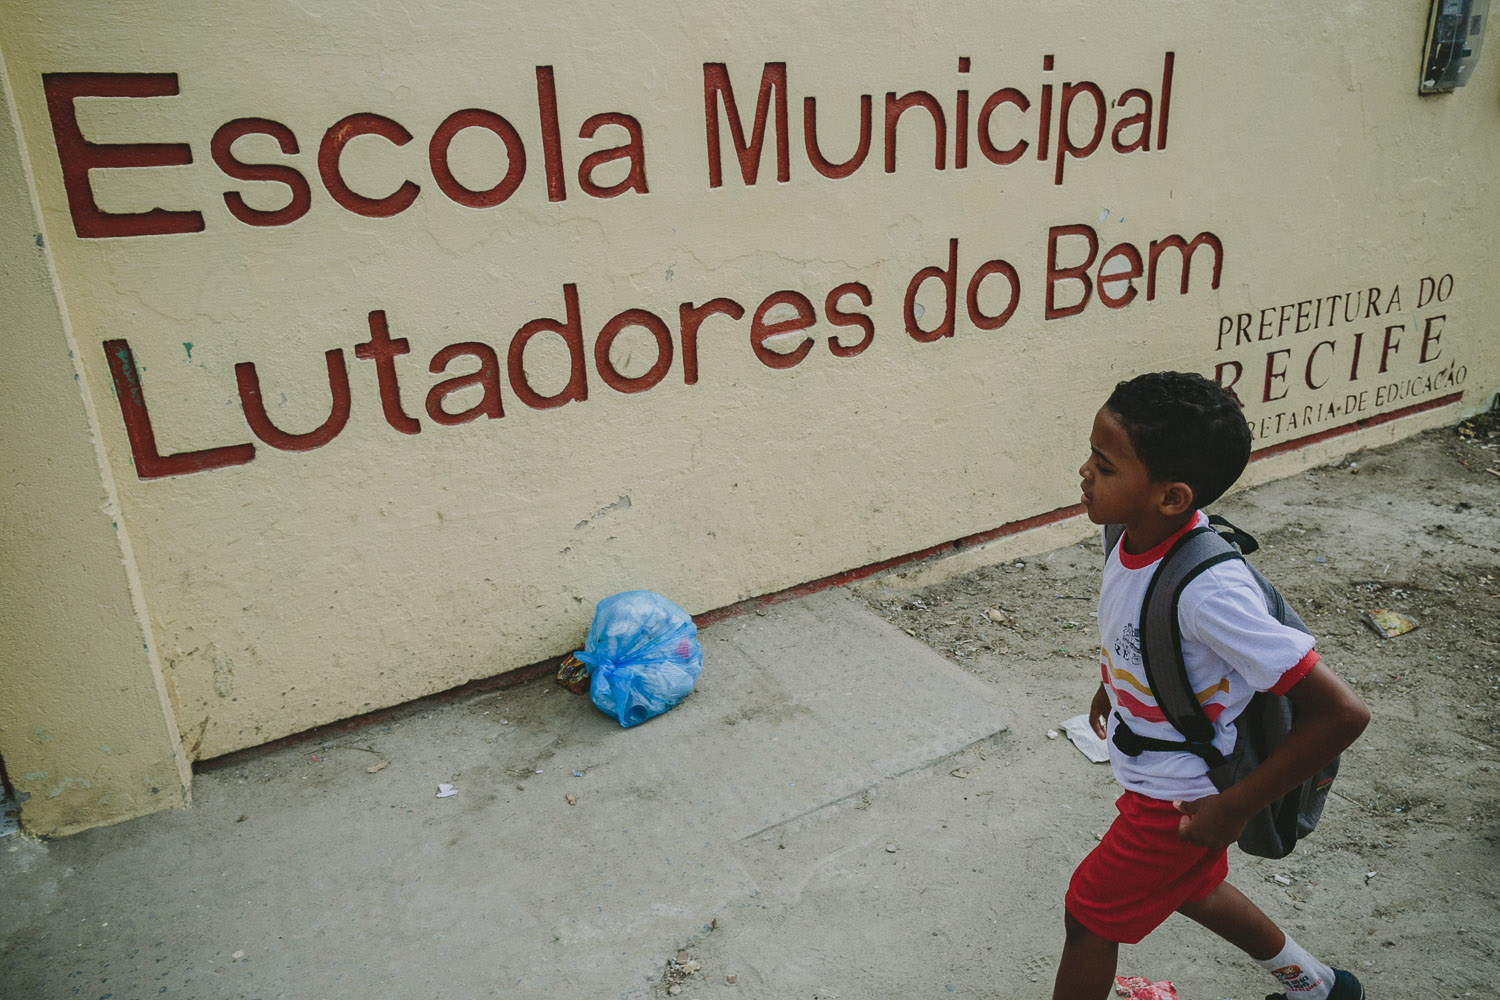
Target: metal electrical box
[[1454, 30]]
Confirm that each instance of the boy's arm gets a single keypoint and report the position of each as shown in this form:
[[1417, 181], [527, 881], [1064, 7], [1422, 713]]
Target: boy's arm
[[1327, 716]]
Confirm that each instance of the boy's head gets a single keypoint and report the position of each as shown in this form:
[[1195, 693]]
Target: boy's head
[[1184, 428]]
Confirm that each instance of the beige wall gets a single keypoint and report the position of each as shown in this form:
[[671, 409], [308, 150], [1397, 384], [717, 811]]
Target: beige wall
[[85, 727], [426, 527]]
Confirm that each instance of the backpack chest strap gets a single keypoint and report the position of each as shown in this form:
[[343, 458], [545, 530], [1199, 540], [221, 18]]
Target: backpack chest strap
[[1133, 744]]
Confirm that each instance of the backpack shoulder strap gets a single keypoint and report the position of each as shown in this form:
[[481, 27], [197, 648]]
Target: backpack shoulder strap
[[1276, 605], [1112, 535], [1161, 632], [1238, 537]]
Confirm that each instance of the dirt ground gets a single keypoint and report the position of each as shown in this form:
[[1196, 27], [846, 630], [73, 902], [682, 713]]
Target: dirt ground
[[319, 869], [1401, 881]]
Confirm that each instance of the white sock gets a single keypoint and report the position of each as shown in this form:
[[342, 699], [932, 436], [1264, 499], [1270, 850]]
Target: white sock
[[1300, 975]]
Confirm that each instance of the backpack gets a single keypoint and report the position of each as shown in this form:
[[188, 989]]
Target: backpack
[[1260, 729]]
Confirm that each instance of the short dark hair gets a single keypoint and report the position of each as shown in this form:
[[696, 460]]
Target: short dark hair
[[1184, 428]]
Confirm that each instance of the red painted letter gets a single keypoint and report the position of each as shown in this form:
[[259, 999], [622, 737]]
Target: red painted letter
[[634, 151], [260, 421], [837, 318], [1079, 273], [810, 139], [1009, 95], [761, 331], [653, 325], [487, 378], [332, 147], [772, 85], [381, 349], [515, 155], [223, 154], [150, 463], [949, 281], [990, 267], [895, 107], [77, 156], [689, 319], [571, 332], [1187, 249]]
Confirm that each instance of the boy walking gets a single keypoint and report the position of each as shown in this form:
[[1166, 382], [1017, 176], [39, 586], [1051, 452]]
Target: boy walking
[[1164, 446]]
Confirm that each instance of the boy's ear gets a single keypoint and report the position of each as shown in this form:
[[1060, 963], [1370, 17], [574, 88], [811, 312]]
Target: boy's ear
[[1176, 499]]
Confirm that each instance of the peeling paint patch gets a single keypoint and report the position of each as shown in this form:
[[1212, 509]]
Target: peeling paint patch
[[223, 676], [198, 745], [621, 504], [67, 783], [10, 816]]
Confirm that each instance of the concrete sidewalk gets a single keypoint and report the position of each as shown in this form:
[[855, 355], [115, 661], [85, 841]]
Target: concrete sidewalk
[[837, 812], [575, 859]]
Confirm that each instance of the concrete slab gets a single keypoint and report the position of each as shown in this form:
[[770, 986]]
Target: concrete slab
[[574, 857]]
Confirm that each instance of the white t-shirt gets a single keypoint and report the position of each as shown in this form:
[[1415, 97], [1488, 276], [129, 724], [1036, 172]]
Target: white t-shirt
[[1232, 648]]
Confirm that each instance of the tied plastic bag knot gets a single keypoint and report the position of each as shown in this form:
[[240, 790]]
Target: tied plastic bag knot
[[644, 655], [573, 674]]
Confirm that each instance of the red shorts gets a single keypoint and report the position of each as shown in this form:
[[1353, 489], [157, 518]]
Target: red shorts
[[1141, 872]]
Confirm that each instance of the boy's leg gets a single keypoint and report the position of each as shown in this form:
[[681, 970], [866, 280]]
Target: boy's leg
[[1229, 913], [1086, 970]]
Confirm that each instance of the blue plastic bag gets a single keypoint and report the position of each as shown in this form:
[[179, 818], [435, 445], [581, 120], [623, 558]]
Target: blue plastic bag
[[644, 655]]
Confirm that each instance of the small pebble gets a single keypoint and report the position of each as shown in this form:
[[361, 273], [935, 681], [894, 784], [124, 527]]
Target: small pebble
[[890, 848], [730, 979], [1052, 734]]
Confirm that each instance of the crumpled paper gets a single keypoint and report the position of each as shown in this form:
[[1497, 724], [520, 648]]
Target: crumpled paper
[[1082, 735], [1387, 623], [1141, 988]]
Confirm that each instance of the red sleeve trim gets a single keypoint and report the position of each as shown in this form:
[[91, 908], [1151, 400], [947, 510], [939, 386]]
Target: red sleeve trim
[[1302, 669]]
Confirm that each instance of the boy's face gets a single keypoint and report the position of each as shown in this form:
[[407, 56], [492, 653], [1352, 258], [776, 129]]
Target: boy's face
[[1117, 488]]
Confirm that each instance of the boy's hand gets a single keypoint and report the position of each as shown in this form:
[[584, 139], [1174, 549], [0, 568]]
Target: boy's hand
[[1212, 822], [1326, 717], [1099, 713]]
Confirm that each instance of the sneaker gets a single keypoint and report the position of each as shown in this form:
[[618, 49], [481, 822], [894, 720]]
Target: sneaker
[[1345, 987]]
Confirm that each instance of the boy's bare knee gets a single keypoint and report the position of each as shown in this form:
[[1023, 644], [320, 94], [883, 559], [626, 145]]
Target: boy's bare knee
[[1076, 931]]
